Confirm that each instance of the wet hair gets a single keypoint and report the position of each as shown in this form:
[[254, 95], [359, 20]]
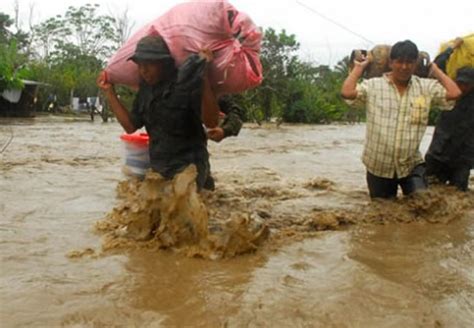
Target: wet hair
[[404, 50]]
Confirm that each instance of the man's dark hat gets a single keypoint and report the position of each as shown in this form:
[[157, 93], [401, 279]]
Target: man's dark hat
[[151, 47], [465, 75]]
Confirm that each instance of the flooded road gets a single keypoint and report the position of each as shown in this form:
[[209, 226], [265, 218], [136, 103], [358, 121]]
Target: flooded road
[[333, 259]]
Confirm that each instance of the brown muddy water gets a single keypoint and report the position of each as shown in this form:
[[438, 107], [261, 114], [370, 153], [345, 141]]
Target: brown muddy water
[[332, 259]]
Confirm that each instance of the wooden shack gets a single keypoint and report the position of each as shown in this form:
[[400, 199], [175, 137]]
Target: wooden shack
[[20, 103]]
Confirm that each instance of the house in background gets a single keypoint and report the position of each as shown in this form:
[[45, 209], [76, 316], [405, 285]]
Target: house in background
[[20, 103]]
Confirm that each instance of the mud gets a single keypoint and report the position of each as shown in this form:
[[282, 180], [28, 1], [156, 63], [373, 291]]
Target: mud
[[329, 256], [161, 214]]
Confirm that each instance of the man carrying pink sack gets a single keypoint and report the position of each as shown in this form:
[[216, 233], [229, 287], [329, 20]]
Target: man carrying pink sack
[[189, 27], [172, 104]]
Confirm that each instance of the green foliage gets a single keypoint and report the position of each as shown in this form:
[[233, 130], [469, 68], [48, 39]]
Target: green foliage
[[309, 104], [5, 23], [46, 35], [12, 60], [278, 57], [11, 71], [293, 90], [21, 38], [93, 34], [8, 78], [71, 51], [81, 30]]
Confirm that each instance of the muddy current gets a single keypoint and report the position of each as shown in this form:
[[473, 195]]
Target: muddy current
[[289, 238]]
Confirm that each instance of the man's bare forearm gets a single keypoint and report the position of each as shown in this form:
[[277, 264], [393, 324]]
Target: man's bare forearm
[[348, 90], [121, 113], [209, 106], [452, 90]]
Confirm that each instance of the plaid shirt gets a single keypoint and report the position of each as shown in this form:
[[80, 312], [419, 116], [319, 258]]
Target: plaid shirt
[[396, 124]]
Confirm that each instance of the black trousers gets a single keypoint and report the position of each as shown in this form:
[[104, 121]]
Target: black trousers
[[387, 188], [169, 166], [457, 176]]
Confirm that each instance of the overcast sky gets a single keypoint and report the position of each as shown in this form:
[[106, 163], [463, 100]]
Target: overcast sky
[[323, 39]]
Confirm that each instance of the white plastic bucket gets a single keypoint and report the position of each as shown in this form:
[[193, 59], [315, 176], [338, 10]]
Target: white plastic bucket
[[136, 155]]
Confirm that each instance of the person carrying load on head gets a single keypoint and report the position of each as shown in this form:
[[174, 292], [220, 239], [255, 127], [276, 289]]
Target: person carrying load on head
[[450, 156], [172, 104], [397, 106]]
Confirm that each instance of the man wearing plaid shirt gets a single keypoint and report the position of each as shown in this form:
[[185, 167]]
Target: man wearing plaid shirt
[[397, 106]]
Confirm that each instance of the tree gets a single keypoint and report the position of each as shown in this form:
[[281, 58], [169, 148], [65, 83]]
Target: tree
[[278, 55], [93, 34], [123, 26], [294, 90], [5, 23], [12, 60], [47, 35], [7, 35], [81, 28], [9, 78], [72, 49]]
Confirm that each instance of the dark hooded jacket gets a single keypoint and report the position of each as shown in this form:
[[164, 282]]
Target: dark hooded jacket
[[453, 139], [171, 114]]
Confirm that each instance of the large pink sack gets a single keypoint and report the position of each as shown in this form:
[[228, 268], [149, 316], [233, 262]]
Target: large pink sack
[[189, 27]]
